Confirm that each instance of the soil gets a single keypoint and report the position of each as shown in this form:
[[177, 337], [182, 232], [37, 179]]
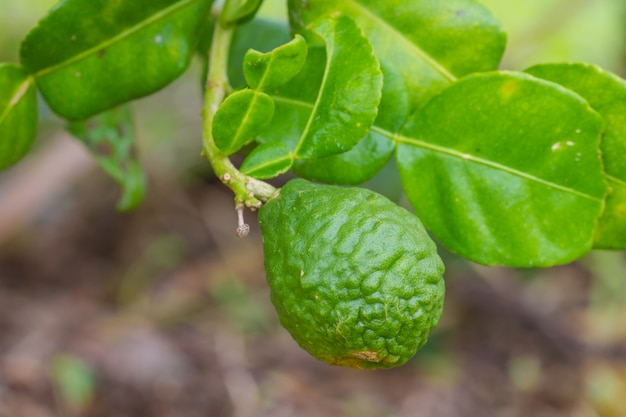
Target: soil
[[165, 312]]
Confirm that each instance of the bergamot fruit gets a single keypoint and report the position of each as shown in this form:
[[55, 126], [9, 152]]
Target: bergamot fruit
[[354, 278]]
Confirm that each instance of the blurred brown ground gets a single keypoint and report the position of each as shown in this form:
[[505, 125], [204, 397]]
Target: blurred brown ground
[[164, 312]]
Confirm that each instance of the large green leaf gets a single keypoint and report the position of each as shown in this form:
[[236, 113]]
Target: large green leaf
[[505, 168], [110, 138], [606, 93], [18, 114], [347, 96], [432, 42], [91, 55]]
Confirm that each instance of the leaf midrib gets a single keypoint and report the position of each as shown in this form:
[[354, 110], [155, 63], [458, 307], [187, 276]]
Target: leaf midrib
[[266, 164], [244, 123], [397, 138], [115, 39], [16, 97], [330, 49], [416, 48]]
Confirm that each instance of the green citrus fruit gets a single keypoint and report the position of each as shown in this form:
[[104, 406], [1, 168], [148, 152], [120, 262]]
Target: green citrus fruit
[[354, 278]]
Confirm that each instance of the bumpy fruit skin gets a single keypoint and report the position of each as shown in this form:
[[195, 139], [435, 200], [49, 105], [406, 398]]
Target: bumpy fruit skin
[[355, 278]]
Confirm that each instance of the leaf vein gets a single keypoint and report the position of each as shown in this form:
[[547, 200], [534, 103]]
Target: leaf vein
[[416, 48], [471, 158], [115, 39], [616, 180], [292, 102], [330, 48]]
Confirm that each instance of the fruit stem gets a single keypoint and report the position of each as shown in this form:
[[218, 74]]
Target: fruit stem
[[249, 192]]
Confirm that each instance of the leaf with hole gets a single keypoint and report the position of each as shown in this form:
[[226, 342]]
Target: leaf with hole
[[89, 56], [606, 93], [504, 168], [18, 114], [110, 138]]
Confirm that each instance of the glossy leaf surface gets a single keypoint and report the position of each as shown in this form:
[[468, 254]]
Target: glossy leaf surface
[[432, 42], [18, 114], [372, 153], [89, 56], [110, 138], [267, 160], [270, 70], [348, 96], [295, 101], [354, 167], [606, 93], [505, 168], [241, 118]]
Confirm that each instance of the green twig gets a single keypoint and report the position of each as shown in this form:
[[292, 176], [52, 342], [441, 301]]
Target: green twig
[[249, 192]]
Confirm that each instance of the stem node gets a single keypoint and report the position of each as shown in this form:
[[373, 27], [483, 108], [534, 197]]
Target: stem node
[[249, 192]]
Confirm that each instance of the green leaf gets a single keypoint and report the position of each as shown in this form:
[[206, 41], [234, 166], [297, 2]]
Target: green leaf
[[354, 167], [110, 138], [241, 118], [295, 101], [606, 93], [372, 153], [91, 55], [267, 161], [18, 114], [237, 12], [505, 168], [267, 71], [347, 103], [337, 103], [432, 42]]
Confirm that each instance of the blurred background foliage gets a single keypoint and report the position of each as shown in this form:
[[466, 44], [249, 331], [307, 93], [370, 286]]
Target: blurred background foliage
[[164, 312]]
